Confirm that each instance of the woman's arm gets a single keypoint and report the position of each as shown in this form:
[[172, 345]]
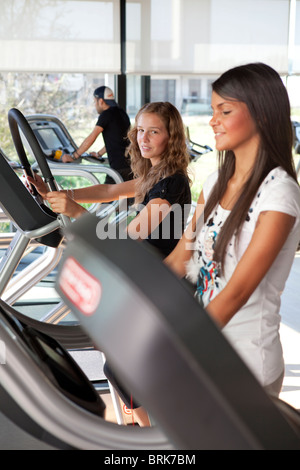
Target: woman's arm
[[62, 203], [89, 194], [184, 249], [270, 234], [105, 192]]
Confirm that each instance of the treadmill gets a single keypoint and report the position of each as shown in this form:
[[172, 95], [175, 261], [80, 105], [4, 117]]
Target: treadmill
[[53, 135], [46, 399]]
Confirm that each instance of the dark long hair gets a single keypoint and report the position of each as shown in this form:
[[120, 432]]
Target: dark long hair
[[175, 158], [262, 90]]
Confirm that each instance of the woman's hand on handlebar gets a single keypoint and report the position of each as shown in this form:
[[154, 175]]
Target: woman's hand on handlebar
[[62, 203], [39, 184]]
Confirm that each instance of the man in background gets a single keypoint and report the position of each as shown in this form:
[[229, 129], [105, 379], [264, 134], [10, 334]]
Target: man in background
[[114, 123]]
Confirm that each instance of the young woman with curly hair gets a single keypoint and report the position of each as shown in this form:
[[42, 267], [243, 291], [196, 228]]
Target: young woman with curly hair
[[173, 159], [159, 161]]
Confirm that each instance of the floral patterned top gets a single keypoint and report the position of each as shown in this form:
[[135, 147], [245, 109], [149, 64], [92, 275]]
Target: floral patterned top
[[253, 330]]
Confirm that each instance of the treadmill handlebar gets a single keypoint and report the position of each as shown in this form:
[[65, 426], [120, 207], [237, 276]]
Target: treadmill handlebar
[[16, 120]]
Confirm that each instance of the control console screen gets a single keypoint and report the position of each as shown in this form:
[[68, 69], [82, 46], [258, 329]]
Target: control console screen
[[49, 138]]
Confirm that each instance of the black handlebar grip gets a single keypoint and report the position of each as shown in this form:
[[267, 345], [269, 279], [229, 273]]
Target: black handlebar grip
[[16, 120]]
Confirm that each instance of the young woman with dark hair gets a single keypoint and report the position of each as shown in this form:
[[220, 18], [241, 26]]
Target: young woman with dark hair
[[240, 245]]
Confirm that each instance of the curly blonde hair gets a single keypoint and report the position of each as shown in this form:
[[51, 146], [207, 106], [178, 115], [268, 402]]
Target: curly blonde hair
[[175, 158]]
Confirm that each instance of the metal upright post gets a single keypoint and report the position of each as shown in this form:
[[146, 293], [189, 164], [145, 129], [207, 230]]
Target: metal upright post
[[121, 85]]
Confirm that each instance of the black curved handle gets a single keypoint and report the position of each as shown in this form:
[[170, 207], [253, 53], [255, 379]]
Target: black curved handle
[[16, 119]]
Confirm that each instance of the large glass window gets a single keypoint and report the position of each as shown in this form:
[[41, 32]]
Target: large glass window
[[53, 53], [68, 96]]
